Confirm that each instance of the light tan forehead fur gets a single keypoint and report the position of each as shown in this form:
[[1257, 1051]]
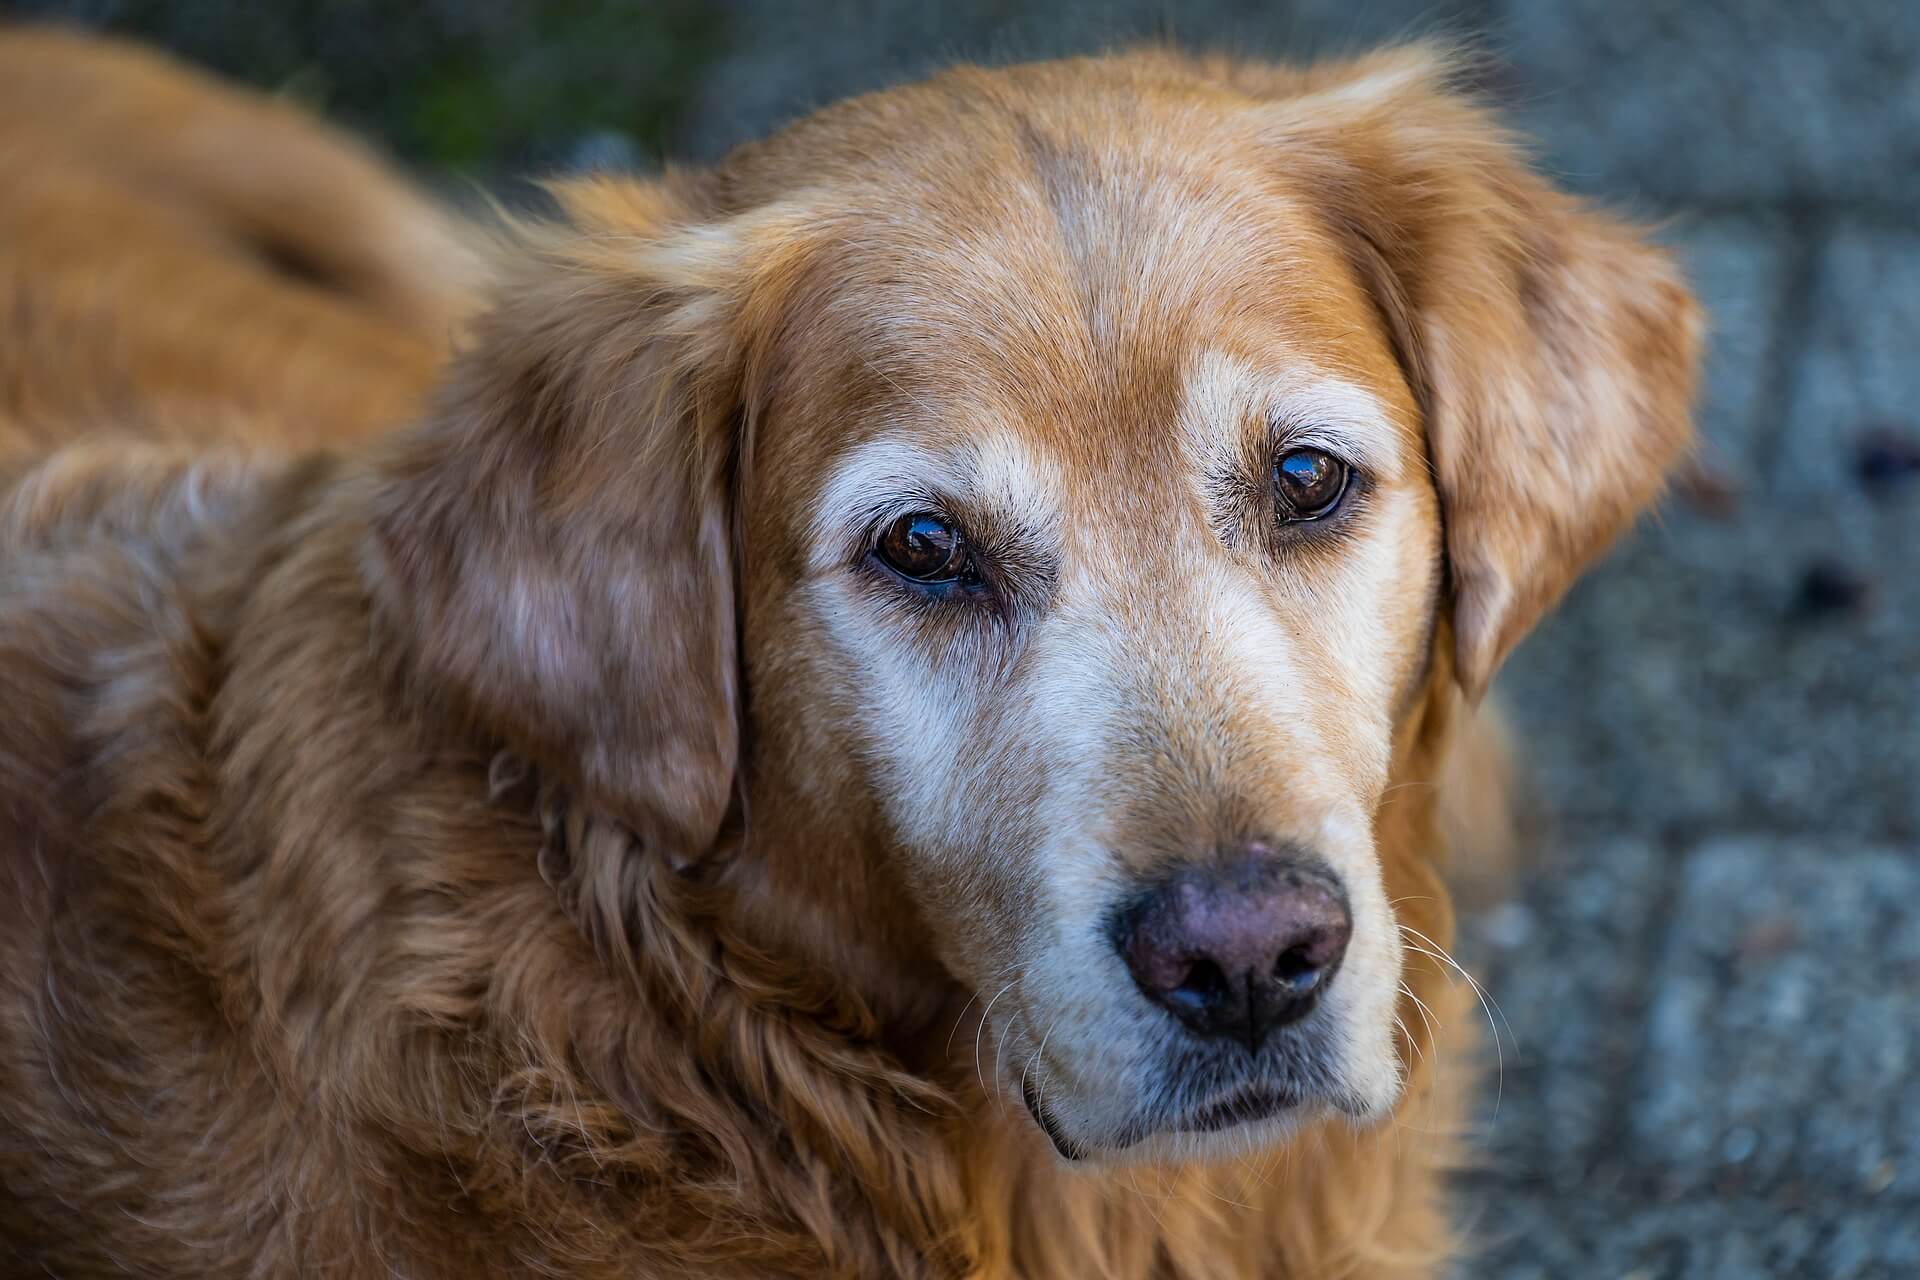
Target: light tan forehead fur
[[1060, 264]]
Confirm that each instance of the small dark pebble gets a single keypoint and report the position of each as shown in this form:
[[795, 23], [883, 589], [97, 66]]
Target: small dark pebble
[[1831, 589], [1766, 939], [1887, 458], [1711, 490]]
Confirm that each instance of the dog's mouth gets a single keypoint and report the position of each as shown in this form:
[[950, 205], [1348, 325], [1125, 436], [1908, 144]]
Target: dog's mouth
[[1247, 1105], [1067, 1147]]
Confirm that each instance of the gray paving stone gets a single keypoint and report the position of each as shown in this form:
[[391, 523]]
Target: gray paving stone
[[1684, 684], [1784, 1035], [1523, 1236], [1739, 269], [1861, 365], [1564, 964], [1723, 101]]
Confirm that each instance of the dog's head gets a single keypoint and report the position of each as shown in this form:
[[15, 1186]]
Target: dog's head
[[1045, 495]]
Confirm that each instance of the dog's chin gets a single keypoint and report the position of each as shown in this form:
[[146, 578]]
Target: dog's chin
[[1227, 1126]]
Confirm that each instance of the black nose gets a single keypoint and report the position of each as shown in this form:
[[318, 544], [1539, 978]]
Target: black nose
[[1238, 951]]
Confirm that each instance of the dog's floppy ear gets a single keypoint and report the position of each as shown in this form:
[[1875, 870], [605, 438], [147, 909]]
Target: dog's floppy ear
[[554, 549], [1552, 350]]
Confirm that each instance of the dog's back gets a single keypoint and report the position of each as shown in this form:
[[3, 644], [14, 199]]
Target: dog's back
[[187, 260]]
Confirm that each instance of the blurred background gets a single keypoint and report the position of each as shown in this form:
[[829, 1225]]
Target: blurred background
[[1708, 977]]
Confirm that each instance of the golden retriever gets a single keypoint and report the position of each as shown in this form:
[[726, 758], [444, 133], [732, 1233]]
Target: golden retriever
[[880, 721]]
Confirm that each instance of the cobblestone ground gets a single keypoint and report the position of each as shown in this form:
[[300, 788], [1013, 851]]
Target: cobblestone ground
[[1709, 981]]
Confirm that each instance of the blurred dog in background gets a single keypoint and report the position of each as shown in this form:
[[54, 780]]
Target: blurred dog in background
[[879, 717]]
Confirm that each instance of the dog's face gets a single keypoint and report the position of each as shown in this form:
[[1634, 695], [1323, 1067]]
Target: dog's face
[[1068, 448], [1091, 534]]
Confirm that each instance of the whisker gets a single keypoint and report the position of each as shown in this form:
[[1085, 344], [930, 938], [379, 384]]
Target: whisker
[[1408, 1037], [1488, 1005], [1019, 1019], [1040, 1056], [1426, 1014], [1133, 1179], [971, 1001], [978, 1070]]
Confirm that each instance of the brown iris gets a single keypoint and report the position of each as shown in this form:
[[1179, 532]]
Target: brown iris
[[1308, 484], [924, 548]]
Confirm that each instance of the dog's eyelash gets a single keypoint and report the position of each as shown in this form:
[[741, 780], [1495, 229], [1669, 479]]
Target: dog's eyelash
[[1285, 435], [871, 520]]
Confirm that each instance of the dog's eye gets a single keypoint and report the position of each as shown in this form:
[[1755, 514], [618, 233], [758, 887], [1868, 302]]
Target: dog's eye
[[924, 548], [1308, 484]]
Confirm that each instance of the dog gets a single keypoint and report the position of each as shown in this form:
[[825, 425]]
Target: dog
[[878, 716]]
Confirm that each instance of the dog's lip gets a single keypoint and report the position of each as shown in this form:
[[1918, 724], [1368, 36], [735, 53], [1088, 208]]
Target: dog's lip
[[1246, 1105], [1068, 1149], [1243, 1106]]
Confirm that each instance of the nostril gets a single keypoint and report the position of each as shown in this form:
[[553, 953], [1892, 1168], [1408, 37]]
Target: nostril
[[1296, 967], [1204, 985], [1302, 966]]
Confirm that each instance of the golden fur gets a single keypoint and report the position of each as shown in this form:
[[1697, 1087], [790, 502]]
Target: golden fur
[[200, 263], [445, 856]]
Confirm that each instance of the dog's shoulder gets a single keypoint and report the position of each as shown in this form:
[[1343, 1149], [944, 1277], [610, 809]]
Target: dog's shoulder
[[120, 565], [108, 641]]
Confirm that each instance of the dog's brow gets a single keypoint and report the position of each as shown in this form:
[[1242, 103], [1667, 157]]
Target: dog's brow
[[881, 479], [1224, 394]]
